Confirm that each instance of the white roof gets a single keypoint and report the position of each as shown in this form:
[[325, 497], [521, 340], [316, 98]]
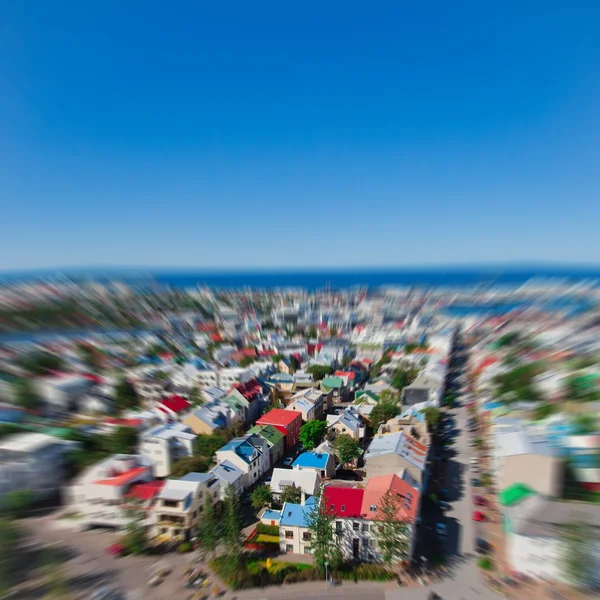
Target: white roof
[[306, 480], [177, 489], [29, 442], [513, 443]]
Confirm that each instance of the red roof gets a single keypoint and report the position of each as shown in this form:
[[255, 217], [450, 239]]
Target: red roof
[[279, 416], [175, 403], [267, 352], [124, 422], [92, 377], [486, 362], [348, 374], [343, 501], [145, 491], [123, 478]]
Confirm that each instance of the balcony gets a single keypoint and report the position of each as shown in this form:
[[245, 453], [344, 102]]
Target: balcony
[[170, 521]]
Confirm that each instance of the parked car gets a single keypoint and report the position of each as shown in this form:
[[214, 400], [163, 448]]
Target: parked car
[[482, 546], [478, 516], [288, 461], [475, 482], [480, 501], [117, 550], [444, 506], [441, 529]]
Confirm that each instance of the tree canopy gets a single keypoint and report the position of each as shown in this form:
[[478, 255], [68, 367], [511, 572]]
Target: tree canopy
[[319, 371], [391, 532], [403, 377], [382, 412], [39, 363], [312, 433], [319, 522], [25, 395], [190, 464], [432, 416], [126, 397], [346, 448], [290, 494], [261, 496]]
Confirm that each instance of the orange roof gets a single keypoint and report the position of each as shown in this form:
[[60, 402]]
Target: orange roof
[[122, 478], [378, 486]]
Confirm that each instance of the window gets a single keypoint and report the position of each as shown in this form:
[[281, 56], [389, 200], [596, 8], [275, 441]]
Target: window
[[307, 550], [338, 527], [373, 507], [170, 503], [355, 526], [175, 531], [289, 548], [289, 535], [366, 542], [306, 536], [365, 528]]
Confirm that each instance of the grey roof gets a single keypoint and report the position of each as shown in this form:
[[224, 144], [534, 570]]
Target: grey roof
[[542, 517], [199, 477], [227, 471]]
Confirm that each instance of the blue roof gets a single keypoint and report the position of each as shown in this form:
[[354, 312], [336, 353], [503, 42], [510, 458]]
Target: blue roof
[[241, 447], [272, 515], [296, 515], [315, 460]]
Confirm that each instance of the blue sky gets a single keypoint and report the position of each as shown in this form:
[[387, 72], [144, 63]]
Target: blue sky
[[275, 134]]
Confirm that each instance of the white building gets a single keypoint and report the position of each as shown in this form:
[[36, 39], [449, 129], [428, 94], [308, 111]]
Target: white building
[[98, 493], [227, 376], [34, 462], [307, 480], [165, 444], [62, 392], [250, 454]]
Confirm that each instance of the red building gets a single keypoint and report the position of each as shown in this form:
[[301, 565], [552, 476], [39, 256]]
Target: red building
[[286, 421]]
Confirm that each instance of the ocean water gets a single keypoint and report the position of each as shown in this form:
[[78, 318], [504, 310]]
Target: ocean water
[[344, 279]]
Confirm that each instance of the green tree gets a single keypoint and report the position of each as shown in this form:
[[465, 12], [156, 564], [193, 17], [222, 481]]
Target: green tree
[[319, 522], [391, 530], [25, 395], [319, 371], [90, 356], [135, 539], [294, 364], [17, 504], [585, 424], [39, 363], [346, 448], [312, 433], [311, 334], [543, 411], [232, 525], [122, 440], [333, 331], [195, 397], [246, 361], [209, 530], [261, 496], [278, 358], [190, 464], [382, 413], [346, 360], [10, 537], [291, 494], [578, 556], [55, 576], [432, 416], [403, 377], [126, 397]]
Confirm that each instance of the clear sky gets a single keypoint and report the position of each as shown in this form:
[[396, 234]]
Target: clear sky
[[250, 134]]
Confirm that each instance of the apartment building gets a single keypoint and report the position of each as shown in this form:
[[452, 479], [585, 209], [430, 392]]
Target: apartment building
[[165, 444], [98, 494], [288, 422], [180, 504], [250, 454]]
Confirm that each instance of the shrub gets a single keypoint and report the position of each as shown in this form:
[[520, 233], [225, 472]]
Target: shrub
[[184, 547], [372, 572], [310, 574], [486, 563], [268, 529]]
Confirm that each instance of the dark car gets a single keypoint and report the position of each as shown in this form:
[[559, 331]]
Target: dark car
[[475, 482], [482, 546]]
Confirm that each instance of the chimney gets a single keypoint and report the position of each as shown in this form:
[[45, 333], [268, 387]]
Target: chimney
[[302, 498]]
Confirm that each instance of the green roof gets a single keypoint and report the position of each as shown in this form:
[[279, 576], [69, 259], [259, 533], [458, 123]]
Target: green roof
[[333, 382], [515, 493], [368, 394], [268, 433]]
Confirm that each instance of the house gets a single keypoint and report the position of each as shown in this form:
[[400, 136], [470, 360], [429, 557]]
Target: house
[[304, 406], [62, 392], [250, 454], [230, 375], [212, 393], [348, 378], [165, 444], [337, 387], [98, 494], [238, 404], [179, 505], [357, 510], [518, 457], [172, 408], [288, 422], [274, 438], [306, 480], [535, 530], [294, 534], [392, 453], [229, 476], [322, 463], [209, 418], [426, 388], [347, 422], [35, 462]]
